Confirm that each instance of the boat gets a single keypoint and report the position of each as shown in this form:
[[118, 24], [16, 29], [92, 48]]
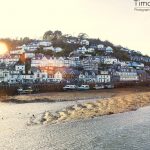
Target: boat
[[70, 87], [84, 87], [109, 86], [97, 87], [27, 90]]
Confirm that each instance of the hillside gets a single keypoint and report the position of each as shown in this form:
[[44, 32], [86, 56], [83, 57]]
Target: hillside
[[70, 44]]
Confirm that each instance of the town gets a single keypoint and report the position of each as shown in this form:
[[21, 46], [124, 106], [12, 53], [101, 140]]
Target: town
[[73, 60]]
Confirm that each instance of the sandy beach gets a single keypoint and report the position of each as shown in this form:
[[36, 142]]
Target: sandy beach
[[21, 126], [129, 130]]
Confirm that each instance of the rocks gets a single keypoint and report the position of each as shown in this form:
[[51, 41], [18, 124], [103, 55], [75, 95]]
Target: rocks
[[48, 117], [70, 108], [91, 105], [78, 107], [109, 106]]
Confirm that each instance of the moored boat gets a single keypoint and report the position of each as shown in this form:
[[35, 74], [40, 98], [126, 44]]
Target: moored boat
[[97, 87], [27, 90], [70, 87], [84, 87], [109, 86]]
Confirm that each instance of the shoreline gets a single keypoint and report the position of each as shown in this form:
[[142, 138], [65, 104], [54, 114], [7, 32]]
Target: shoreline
[[72, 96]]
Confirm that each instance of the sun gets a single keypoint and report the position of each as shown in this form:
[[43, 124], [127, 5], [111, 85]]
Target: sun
[[3, 48]]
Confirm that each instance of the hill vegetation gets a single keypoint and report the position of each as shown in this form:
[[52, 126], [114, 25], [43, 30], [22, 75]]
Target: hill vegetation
[[59, 40]]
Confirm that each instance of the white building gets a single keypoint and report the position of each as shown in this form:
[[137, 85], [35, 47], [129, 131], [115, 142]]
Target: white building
[[20, 67], [82, 50], [103, 77], [58, 75], [89, 64], [87, 76], [84, 42], [109, 49], [29, 54], [128, 76], [58, 49], [4, 75], [110, 60], [44, 43], [90, 50], [30, 47], [100, 47]]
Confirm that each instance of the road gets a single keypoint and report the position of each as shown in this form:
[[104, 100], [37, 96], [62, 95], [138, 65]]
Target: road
[[126, 131]]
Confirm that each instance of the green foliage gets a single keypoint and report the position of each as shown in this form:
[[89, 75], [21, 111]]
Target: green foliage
[[59, 40], [27, 65], [52, 36], [121, 55], [45, 52], [99, 53], [90, 53], [48, 35], [82, 36]]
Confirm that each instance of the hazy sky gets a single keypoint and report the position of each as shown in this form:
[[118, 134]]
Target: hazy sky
[[113, 20]]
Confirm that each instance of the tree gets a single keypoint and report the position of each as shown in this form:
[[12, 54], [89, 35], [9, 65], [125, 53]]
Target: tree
[[27, 65], [48, 35], [82, 36], [57, 34], [26, 40]]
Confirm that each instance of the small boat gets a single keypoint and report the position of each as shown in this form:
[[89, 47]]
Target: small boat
[[84, 87], [28, 90], [70, 87], [19, 90], [97, 87], [109, 86]]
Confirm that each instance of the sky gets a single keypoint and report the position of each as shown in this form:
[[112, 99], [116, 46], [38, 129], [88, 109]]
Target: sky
[[113, 20]]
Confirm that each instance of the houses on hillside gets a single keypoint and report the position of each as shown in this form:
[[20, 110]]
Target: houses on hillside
[[80, 66]]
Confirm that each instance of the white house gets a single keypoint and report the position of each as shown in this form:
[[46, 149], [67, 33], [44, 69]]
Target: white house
[[29, 54], [110, 60], [89, 64], [49, 48], [17, 51], [122, 63], [4, 75], [84, 42], [30, 47], [39, 76], [82, 50], [75, 61], [90, 50], [87, 76], [72, 41], [9, 59], [100, 47], [44, 43], [128, 76], [58, 75], [103, 77], [58, 49], [109, 49], [20, 67]]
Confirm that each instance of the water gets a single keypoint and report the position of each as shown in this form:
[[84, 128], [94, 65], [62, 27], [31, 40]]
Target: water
[[126, 131]]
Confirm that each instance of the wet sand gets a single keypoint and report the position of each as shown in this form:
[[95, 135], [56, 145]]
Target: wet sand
[[128, 130]]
